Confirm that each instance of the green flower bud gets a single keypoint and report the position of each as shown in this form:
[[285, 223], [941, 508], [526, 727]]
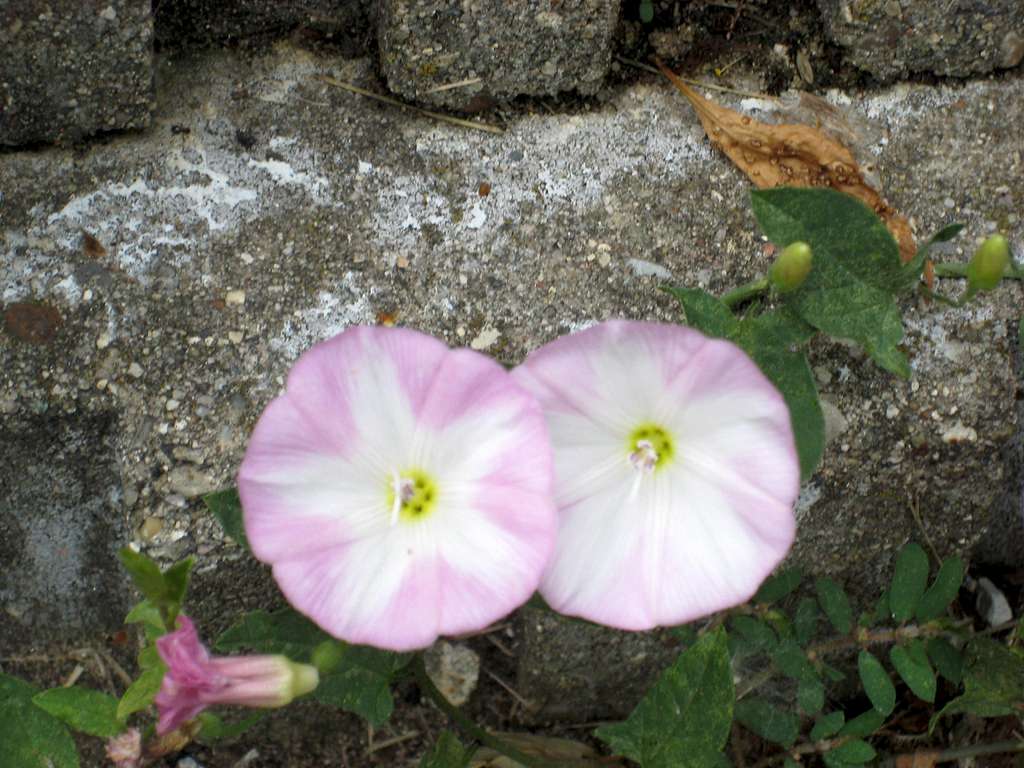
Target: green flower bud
[[327, 656], [988, 264], [792, 267]]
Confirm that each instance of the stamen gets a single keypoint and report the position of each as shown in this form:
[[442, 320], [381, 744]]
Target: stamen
[[644, 458], [402, 489]]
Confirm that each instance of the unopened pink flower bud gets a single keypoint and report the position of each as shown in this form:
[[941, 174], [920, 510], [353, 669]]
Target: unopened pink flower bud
[[988, 264], [194, 680], [792, 267]]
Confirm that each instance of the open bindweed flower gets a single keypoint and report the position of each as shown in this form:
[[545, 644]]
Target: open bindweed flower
[[195, 680], [675, 473], [400, 489]]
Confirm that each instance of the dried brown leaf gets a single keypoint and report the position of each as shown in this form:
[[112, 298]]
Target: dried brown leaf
[[922, 759], [791, 155], [33, 322], [563, 752], [92, 247]]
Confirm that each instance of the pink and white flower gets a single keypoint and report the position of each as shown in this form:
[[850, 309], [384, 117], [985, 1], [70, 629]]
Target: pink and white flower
[[400, 490], [195, 680], [125, 749], [676, 473]]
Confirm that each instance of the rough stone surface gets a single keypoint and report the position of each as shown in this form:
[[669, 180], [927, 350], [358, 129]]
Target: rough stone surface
[[327, 209], [540, 47], [188, 23], [454, 669], [894, 38], [70, 69], [61, 523]]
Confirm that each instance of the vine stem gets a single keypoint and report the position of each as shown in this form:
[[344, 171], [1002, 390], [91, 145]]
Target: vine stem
[[745, 292], [957, 753], [959, 269], [464, 722]]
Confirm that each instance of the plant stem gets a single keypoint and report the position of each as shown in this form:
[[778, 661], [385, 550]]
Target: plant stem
[[957, 753], [745, 292], [865, 637], [959, 269], [464, 722]]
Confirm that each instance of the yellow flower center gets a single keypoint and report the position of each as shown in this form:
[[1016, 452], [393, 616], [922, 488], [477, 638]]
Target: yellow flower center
[[650, 447], [411, 495]]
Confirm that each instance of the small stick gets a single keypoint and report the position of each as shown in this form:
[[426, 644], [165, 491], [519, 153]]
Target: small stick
[[75, 674], [391, 742], [396, 103], [511, 691], [457, 84], [499, 645]]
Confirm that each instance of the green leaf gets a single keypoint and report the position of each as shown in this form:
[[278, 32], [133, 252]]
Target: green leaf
[[360, 682], [148, 614], [852, 752], [827, 725], [706, 313], [833, 674], [141, 693], [835, 604], [768, 721], [216, 729], [810, 695], [750, 635], [149, 657], [176, 585], [863, 725], [911, 662], [908, 582], [876, 682], [993, 681], [227, 508], [850, 292], [447, 752], [943, 590], [684, 720], [768, 339], [792, 661], [85, 710], [144, 572], [29, 736], [778, 586], [947, 659], [805, 620]]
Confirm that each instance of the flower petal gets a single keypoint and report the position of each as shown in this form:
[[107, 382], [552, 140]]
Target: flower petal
[[685, 540], [320, 510]]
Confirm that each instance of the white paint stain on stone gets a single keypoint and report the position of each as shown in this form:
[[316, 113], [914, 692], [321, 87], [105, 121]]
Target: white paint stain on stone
[[330, 313]]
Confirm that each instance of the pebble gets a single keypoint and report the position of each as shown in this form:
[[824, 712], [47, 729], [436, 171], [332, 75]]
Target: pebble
[[835, 422], [103, 340], [485, 339], [992, 603], [235, 337], [892, 412], [135, 370], [188, 481], [150, 527], [234, 298], [959, 433], [172, 404], [454, 669]]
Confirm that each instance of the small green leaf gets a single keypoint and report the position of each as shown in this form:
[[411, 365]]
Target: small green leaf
[[810, 696], [805, 620], [833, 674], [827, 725], [85, 710], [768, 721], [993, 681], [751, 635], [876, 682], [144, 572], [646, 11], [911, 662], [835, 603], [149, 657], [447, 752], [947, 659], [29, 736], [908, 582], [227, 508], [912, 270], [792, 661], [146, 613], [853, 752], [685, 718], [216, 729], [943, 590], [176, 585], [706, 313], [863, 725], [778, 586], [141, 693]]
